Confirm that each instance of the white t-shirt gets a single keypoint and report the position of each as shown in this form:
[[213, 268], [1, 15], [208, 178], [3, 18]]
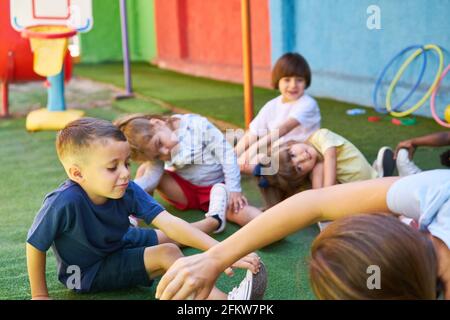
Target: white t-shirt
[[424, 197], [274, 113]]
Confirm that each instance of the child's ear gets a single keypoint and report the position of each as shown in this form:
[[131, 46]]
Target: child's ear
[[75, 173]]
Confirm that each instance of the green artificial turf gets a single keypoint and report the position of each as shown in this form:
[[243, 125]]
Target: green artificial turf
[[30, 169], [224, 101]]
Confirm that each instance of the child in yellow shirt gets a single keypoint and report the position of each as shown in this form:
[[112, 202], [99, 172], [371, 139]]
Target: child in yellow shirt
[[323, 160]]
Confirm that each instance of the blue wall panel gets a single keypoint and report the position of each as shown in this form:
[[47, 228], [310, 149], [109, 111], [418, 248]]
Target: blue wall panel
[[346, 56]]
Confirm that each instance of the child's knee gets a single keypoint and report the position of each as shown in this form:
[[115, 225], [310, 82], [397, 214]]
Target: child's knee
[[244, 216], [236, 217], [171, 249], [164, 254]]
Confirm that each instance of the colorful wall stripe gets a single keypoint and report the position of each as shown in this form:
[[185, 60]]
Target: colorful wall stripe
[[103, 42], [346, 54], [204, 37]]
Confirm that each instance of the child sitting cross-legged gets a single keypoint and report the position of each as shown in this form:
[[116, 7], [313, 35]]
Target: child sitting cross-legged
[[85, 221], [191, 164]]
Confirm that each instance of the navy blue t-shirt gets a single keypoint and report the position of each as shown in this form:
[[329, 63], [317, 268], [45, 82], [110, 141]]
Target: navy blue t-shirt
[[82, 233]]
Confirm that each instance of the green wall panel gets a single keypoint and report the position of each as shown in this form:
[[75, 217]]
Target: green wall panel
[[103, 43], [141, 26]]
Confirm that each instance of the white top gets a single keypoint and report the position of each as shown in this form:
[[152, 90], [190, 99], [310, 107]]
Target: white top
[[424, 197], [204, 157], [274, 113]]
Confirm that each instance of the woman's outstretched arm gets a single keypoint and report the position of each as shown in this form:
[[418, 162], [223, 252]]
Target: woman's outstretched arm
[[197, 274]]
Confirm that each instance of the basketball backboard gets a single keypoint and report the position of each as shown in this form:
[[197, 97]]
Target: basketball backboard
[[76, 14]]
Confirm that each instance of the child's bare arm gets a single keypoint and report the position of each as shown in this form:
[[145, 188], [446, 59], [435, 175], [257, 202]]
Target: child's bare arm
[[268, 140], [271, 137], [36, 261], [197, 273], [242, 145], [329, 167], [316, 176], [182, 232], [438, 139]]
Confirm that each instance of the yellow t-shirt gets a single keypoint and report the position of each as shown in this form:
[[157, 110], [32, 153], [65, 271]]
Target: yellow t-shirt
[[351, 165]]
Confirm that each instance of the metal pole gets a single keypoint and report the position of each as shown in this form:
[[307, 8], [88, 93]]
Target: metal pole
[[125, 50], [247, 61]]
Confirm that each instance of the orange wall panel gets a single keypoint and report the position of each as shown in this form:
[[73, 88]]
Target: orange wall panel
[[208, 33]]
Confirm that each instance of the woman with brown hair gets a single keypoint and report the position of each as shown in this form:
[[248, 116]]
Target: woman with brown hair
[[346, 253], [410, 262]]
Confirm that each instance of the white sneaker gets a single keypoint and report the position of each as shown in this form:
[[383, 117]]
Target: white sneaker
[[218, 203], [384, 165], [405, 166], [252, 287]]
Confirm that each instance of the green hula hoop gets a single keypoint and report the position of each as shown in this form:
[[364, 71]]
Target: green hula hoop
[[400, 73]]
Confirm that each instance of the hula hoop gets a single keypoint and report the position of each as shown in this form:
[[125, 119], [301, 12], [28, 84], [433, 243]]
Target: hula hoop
[[433, 99], [383, 73], [39, 32], [400, 73]]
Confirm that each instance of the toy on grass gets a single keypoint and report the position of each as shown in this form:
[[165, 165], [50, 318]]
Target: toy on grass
[[355, 112], [433, 103], [447, 114], [385, 69], [408, 121], [404, 122], [374, 119], [48, 24], [400, 73]]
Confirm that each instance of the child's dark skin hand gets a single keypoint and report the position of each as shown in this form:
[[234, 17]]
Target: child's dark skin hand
[[407, 144], [237, 202]]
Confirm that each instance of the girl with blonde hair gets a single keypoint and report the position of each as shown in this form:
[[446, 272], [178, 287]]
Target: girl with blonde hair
[[190, 163]]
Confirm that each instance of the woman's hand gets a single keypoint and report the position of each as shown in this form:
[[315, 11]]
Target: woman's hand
[[190, 277], [250, 262]]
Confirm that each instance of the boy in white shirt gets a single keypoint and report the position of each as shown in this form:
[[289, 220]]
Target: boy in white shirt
[[293, 115]]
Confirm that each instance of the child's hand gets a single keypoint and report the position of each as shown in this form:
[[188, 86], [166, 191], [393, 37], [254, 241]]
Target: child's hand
[[250, 262], [407, 144], [237, 202]]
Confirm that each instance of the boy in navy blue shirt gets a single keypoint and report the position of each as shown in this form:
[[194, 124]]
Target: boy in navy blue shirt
[[85, 221]]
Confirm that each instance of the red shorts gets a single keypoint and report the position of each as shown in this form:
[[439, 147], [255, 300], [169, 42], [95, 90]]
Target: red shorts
[[197, 196]]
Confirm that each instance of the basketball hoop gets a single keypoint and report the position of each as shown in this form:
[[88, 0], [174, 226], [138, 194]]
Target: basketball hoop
[[48, 32], [49, 24], [49, 44]]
